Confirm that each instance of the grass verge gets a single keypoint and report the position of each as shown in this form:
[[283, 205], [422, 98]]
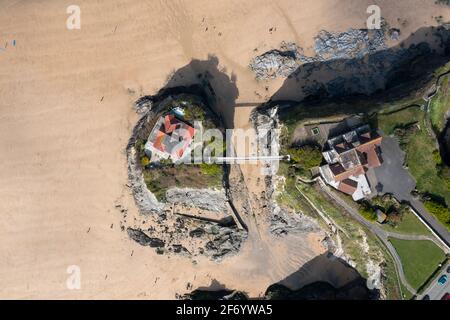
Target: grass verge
[[420, 258], [409, 224]]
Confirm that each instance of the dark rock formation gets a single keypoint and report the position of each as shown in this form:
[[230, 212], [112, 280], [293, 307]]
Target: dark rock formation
[[144, 240], [354, 43], [178, 248], [197, 233], [274, 63], [215, 295]]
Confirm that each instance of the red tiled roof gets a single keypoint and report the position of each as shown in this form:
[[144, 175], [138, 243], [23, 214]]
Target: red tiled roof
[[369, 152], [348, 186], [362, 157], [373, 160], [170, 123], [356, 171], [169, 126], [367, 155], [368, 143], [337, 169]]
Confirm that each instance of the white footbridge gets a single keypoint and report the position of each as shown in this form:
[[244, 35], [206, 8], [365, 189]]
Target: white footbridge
[[247, 159]]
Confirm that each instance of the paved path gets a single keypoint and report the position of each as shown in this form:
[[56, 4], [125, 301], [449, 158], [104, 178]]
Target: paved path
[[380, 233]]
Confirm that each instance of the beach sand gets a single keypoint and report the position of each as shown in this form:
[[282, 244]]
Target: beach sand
[[66, 115]]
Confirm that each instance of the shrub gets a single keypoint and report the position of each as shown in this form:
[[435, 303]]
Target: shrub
[[440, 211], [194, 112], [210, 169], [145, 161], [437, 158], [306, 157], [367, 212], [140, 146], [394, 217]]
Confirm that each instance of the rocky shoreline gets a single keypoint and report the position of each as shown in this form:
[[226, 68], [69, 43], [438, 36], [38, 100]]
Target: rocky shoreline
[[172, 231], [354, 43], [356, 61]]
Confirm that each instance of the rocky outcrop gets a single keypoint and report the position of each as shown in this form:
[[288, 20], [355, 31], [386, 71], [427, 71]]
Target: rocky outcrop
[[274, 63], [354, 43], [191, 238], [281, 221], [144, 240], [145, 200], [224, 242], [169, 230], [224, 294], [284, 222], [207, 199]]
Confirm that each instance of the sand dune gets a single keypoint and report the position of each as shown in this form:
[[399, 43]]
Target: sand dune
[[66, 114]]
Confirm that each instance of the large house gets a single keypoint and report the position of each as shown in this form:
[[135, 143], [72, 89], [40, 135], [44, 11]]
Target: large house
[[348, 158], [169, 138]]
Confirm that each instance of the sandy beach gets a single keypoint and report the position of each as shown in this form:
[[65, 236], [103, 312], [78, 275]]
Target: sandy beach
[[66, 112]]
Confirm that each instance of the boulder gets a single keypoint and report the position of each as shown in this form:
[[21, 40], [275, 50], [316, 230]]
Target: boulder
[[144, 240]]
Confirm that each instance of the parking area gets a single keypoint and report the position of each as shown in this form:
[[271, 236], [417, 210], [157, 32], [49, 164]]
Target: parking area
[[391, 176], [437, 289]]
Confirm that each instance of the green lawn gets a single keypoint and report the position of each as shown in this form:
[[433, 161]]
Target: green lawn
[[420, 258], [422, 164], [439, 105], [402, 118], [410, 224]]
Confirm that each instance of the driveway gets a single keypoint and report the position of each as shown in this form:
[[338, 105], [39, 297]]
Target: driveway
[[391, 177]]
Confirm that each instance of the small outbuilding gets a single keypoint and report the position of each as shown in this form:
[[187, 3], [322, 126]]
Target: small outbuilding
[[381, 216]]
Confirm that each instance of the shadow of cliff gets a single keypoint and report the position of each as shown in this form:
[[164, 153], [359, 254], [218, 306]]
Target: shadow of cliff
[[325, 277], [403, 67], [219, 89]]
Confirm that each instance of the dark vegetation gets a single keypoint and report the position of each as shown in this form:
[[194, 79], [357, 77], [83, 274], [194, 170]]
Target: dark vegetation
[[388, 205], [367, 211], [303, 159]]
